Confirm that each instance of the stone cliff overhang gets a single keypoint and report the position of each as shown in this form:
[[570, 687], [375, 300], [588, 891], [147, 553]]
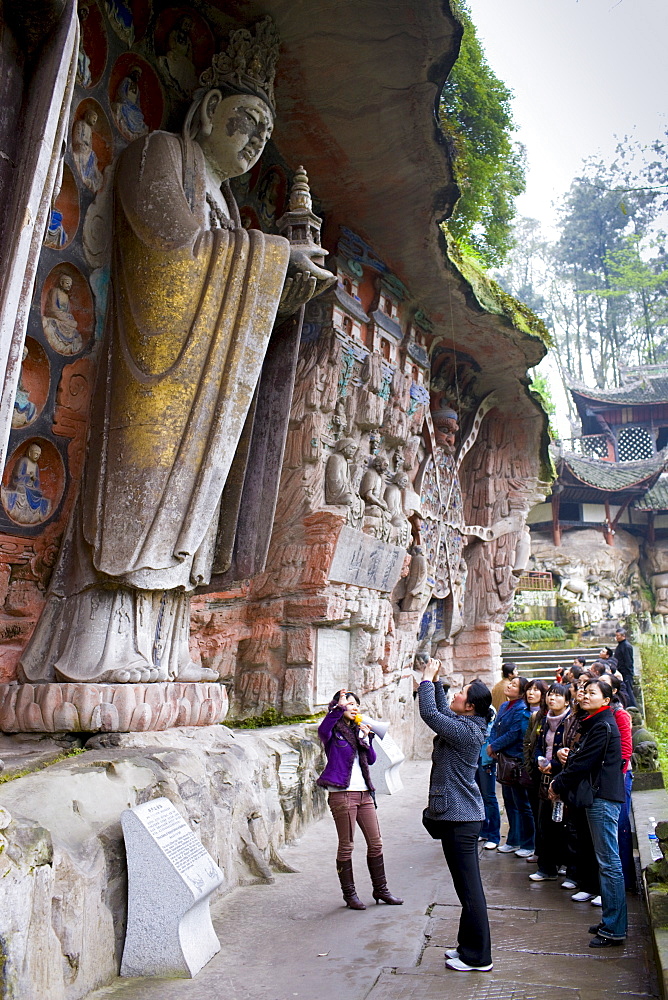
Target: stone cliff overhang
[[590, 480], [357, 90]]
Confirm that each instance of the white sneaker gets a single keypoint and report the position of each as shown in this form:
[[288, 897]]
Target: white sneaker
[[562, 870], [480, 838], [524, 852], [569, 884], [582, 897], [451, 953], [459, 966], [490, 845], [506, 849], [596, 901], [540, 877]]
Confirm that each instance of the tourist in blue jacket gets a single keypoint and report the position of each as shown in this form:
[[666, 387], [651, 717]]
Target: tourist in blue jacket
[[507, 736], [348, 744]]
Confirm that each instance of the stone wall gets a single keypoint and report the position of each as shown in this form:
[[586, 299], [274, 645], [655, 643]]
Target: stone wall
[[63, 889]]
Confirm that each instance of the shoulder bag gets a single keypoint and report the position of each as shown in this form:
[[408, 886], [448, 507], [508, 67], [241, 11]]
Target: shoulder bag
[[583, 796]]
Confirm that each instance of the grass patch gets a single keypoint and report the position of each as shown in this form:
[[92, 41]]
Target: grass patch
[[533, 631], [12, 775], [655, 696], [271, 717]]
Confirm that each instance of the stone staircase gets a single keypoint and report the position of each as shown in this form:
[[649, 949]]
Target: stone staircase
[[543, 663]]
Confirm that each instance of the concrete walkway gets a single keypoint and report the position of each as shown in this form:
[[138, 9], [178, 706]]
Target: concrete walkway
[[296, 939]]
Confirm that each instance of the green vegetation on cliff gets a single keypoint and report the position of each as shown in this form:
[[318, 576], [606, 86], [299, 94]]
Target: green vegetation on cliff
[[476, 119]]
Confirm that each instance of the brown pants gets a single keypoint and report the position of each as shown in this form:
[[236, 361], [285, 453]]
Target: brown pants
[[349, 808]]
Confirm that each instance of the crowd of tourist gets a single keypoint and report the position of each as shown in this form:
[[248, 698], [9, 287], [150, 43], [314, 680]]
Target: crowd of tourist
[[561, 753]]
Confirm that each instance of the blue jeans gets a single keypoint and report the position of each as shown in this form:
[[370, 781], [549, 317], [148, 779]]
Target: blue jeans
[[625, 837], [603, 819], [486, 779], [520, 817]]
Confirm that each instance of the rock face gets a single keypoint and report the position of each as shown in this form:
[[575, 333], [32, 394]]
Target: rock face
[[600, 580], [63, 883]]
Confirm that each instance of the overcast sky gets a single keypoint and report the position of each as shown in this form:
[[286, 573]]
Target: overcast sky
[[582, 71]]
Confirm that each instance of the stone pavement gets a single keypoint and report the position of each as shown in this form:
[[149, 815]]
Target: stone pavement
[[296, 939]]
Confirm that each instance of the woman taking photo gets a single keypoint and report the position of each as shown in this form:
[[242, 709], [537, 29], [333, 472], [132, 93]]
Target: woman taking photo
[[455, 811], [348, 744], [593, 779]]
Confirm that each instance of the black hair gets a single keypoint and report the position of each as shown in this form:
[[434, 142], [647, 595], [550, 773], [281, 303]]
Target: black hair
[[599, 667], [349, 694], [577, 671], [562, 689], [479, 697], [508, 669], [620, 631], [581, 660], [618, 696], [603, 686], [539, 683], [608, 650]]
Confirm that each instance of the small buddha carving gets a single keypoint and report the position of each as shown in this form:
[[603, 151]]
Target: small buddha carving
[[394, 498], [372, 488], [338, 481]]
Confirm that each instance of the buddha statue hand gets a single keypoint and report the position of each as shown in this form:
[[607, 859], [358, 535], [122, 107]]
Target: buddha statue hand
[[305, 279]]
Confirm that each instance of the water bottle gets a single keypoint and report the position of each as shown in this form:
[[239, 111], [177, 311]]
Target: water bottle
[[654, 846], [558, 811]]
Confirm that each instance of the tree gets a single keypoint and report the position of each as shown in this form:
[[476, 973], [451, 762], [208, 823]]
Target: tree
[[476, 118]]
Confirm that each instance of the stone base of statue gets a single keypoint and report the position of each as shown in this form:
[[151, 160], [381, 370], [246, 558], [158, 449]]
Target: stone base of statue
[[110, 708]]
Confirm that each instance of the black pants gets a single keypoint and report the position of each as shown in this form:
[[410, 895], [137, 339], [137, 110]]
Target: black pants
[[460, 847], [550, 841]]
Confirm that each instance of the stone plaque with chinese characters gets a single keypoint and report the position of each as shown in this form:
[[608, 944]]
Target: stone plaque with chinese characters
[[171, 876], [332, 663], [364, 561]]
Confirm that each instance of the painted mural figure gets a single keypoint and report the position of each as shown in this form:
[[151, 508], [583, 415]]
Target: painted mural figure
[[84, 155], [24, 408], [127, 111], [176, 382], [55, 236], [177, 63], [60, 326], [84, 78], [23, 499]]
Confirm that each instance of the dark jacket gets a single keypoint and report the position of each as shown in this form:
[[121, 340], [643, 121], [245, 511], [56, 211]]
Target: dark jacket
[[454, 795], [340, 754], [509, 728], [587, 759], [540, 745], [624, 657]]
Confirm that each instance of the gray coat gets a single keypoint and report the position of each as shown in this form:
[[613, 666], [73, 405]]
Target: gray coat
[[453, 793]]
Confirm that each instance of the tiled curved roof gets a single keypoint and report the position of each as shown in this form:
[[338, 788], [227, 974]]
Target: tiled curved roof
[[642, 392], [612, 477], [656, 498]]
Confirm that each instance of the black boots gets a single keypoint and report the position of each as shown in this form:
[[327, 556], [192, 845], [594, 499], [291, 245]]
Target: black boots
[[345, 872], [379, 882]]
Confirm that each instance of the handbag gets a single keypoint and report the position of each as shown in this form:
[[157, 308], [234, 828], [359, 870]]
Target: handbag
[[583, 796], [507, 769]]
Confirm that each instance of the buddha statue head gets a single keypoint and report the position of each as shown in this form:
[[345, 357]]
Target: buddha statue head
[[232, 114]]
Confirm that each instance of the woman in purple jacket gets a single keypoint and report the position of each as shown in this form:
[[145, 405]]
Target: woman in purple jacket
[[349, 749]]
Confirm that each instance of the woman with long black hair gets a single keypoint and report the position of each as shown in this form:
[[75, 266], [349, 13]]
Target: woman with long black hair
[[455, 811]]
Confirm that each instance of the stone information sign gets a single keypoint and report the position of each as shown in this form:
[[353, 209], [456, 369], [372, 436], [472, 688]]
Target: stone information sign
[[364, 561], [171, 876], [385, 772], [332, 663]]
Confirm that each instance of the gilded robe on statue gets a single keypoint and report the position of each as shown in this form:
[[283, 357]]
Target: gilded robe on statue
[[194, 298]]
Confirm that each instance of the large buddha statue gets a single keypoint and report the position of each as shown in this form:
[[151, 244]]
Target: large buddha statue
[[194, 297]]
